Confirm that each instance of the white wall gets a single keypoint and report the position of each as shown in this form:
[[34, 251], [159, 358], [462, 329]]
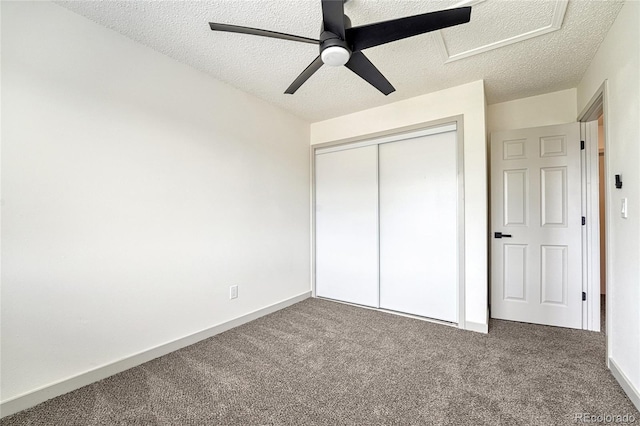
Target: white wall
[[542, 110], [469, 101], [617, 61], [135, 191]]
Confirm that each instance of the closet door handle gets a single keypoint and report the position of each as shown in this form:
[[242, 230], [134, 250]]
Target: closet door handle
[[501, 235]]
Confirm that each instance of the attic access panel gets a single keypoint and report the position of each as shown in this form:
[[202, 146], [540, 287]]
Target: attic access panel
[[499, 23]]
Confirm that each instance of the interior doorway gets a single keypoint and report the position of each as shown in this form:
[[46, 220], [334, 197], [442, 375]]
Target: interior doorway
[[597, 184]]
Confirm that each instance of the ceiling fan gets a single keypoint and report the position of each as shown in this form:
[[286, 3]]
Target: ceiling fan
[[341, 44]]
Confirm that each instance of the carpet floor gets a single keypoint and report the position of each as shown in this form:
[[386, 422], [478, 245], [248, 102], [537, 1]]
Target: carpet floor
[[324, 363]]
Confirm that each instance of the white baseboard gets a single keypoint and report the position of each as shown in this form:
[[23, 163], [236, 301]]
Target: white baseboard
[[35, 397], [477, 327], [625, 383]]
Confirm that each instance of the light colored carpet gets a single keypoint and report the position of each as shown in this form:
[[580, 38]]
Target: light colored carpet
[[321, 362]]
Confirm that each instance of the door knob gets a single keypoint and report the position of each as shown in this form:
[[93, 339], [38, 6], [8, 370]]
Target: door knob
[[501, 235]]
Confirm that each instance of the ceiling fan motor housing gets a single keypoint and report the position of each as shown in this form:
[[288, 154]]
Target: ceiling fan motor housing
[[333, 50]]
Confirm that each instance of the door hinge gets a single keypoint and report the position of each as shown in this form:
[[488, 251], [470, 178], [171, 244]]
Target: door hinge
[[581, 144], [584, 296], [584, 220]]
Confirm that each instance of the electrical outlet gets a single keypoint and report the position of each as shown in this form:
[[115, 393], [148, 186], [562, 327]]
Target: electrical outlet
[[233, 292]]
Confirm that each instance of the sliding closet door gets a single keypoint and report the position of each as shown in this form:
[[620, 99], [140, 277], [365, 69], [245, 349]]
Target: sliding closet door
[[347, 225], [418, 226]]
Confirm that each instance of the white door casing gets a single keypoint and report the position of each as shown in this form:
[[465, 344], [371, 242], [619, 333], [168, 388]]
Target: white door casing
[[536, 273]]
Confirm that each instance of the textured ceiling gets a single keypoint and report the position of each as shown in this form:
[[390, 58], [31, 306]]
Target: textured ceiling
[[265, 67]]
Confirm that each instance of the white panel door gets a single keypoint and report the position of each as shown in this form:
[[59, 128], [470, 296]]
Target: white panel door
[[418, 226], [536, 252], [347, 225]]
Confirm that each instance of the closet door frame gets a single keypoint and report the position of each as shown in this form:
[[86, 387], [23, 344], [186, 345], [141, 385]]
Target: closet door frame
[[389, 136]]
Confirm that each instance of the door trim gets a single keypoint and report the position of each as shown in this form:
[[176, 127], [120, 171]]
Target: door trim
[[389, 136]]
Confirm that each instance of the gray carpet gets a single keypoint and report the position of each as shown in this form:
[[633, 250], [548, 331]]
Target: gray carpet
[[321, 362]]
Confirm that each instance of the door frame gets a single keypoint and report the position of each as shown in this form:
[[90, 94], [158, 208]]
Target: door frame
[[597, 105], [398, 132]]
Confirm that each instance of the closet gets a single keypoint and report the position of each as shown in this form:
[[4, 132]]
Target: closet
[[387, 222]]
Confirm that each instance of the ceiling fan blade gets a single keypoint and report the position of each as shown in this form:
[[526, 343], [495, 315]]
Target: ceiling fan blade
[[396, 29], [304, 76], [359, 64], [259, 32], [333, 16]]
